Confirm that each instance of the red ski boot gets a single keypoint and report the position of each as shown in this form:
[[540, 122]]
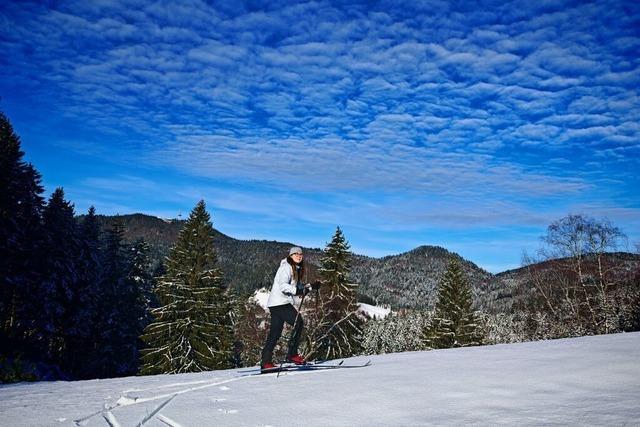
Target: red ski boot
[[297, 359], [268, 367]]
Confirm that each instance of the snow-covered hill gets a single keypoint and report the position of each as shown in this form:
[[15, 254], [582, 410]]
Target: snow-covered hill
[[581, 381]]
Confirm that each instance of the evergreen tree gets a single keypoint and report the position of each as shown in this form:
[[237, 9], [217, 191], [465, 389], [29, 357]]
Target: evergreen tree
[[82, 345], [58, 293], [134, 304], [192, 329], [334, 326], [118, 305], [395, 333], [21, 204], [140, 275], [142, 282], [454, 324]]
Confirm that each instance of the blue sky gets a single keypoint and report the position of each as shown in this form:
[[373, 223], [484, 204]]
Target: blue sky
[[469, 125]]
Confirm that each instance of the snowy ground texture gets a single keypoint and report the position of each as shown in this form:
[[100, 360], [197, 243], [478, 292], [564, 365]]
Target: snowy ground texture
[[582, 381]]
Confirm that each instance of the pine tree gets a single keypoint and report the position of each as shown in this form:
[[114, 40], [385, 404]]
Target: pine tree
[[58, 294], [454, 324], [134, 305], [83, 350], [395, 333], [140, 275], [142, 283], [118, 307], [192, 329], [334, 326], [21, 204]]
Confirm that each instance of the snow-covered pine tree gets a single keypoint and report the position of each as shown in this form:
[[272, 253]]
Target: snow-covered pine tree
[[21, 204], [192, 329], [454, 324], [503, 328], [395, 333], [334, 326]]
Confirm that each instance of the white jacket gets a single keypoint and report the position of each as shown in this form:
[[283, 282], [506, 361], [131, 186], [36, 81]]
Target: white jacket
[[284, 286]]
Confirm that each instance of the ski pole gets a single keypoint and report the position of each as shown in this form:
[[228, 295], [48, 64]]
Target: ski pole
[[299, 309]]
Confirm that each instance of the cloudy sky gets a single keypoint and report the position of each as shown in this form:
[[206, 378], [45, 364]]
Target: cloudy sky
[[468, 125]]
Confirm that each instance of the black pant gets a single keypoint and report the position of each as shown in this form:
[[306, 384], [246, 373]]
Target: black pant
[[279, 315]]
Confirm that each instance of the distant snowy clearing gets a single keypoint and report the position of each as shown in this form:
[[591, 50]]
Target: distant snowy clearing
[[373, 311], [580, 381]]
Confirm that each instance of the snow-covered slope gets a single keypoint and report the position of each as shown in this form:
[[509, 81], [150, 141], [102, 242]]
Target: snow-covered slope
[[373, 311], [581, 381]]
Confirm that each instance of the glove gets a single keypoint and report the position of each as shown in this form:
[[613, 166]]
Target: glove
[[302, 289]]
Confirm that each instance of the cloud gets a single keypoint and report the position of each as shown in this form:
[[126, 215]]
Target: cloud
[[532, 133], [434, 99]]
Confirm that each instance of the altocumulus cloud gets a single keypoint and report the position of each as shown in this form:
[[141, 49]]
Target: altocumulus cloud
[[491, 102]]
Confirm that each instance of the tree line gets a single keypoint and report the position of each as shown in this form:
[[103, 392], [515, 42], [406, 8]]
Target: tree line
[[73, 299], [575, 284]]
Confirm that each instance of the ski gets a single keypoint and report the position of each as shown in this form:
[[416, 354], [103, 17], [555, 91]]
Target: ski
[[292, 366], [314, 367], [281, 365], [324, 361]]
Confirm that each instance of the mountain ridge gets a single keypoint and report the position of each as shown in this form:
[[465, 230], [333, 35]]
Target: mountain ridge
[[406, 280]]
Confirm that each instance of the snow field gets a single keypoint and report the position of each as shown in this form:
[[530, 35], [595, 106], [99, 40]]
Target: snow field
[[580, 381]]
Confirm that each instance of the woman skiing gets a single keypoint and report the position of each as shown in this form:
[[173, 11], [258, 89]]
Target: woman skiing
[[286, 284]]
